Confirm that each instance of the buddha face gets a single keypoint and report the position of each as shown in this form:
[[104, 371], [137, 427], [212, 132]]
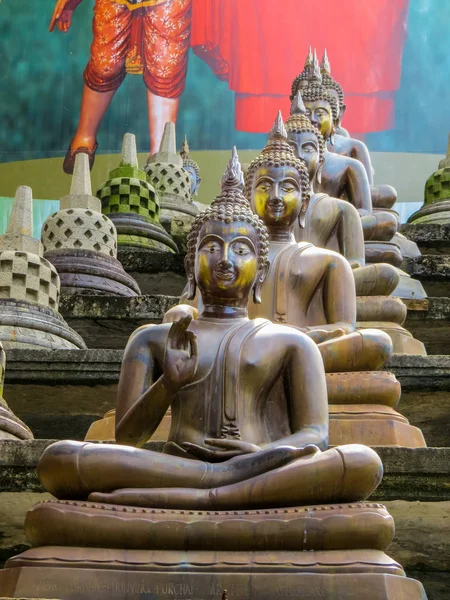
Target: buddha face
[[193, 179], [320, 114], [226, 263], [306, 147], [276, 195]]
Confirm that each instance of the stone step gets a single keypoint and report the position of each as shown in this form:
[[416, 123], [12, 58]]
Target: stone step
[[414, 489], [60, 393], [429, 321], [433, 271], [431, 238], [155, 272], [106, 322]]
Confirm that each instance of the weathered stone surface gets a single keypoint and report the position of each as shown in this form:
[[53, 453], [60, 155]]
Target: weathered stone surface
[[429, 411], [422, 534], [433, 270], [155, 272], [414, 474], [421, 372], [106, 322], [431, 325], [436, 583], [431, 238]]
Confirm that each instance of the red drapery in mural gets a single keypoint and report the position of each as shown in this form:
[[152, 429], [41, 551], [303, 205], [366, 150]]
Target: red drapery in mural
[[259, 46]]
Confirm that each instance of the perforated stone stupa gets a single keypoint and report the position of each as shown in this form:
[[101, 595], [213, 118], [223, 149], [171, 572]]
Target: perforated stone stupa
[[82, 243], [172, 183], [11, 427], [29, 287], [133, 205]]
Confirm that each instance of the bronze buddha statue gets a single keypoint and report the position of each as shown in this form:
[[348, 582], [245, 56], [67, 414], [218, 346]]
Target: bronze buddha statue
[[213, 372], [344, 176], [226, 503], [333, 223]]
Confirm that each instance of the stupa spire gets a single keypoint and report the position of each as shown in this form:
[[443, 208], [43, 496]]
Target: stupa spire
[[167, 152], [19, 232], [129, 151], [80, 195]]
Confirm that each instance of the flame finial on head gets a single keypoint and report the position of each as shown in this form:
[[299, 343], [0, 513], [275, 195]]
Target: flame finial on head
[[233, 177], [325, 67], [278, 129], [316, 74], [309, 59], [184, 152], [297, 106]]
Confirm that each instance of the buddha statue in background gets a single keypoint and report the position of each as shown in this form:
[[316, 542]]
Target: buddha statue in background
[[344, 176], [333, 223], [226, 503]]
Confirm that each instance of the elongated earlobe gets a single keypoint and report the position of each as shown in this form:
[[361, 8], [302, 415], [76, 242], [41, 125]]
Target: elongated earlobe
[[258, 284], [191, 284]]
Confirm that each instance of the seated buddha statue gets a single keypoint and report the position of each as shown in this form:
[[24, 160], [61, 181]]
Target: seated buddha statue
[[233, 443], [383, 196], [227, 504], [328, 222], [344, 176], [307, 287]]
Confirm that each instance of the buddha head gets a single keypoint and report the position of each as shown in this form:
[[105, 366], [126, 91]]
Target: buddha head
[[191, 167], [320, 102], [277, 182], [227, 246], [332, 86], [305, 139]]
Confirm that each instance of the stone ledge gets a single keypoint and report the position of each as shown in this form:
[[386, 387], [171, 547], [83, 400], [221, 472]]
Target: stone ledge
[[97, 366], [107, 322], [151, 307], [432, 270], [429, 236], [403, 469], [143, 260]]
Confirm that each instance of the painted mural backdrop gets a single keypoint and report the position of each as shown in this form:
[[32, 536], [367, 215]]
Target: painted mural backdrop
[[221, 68]]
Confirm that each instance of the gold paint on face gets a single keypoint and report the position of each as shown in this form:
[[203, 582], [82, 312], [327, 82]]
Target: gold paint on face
[[227, 259], [276, 195], [320, 114], [306, 147]]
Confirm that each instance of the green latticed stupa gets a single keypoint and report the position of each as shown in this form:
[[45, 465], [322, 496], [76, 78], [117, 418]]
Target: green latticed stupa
[[133, 205], [436, 207]]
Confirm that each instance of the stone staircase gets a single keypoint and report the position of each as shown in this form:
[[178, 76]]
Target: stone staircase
[[60, 393]]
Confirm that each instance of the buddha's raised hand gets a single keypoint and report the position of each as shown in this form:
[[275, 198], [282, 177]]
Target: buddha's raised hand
[[181, 355]]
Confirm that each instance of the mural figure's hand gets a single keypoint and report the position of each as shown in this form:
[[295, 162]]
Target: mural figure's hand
[[62, 15]]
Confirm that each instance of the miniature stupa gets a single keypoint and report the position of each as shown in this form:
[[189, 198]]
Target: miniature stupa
[[436, 207], [82, 243], [29, 287], [172, 183], [133, 205], [11, 427]]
